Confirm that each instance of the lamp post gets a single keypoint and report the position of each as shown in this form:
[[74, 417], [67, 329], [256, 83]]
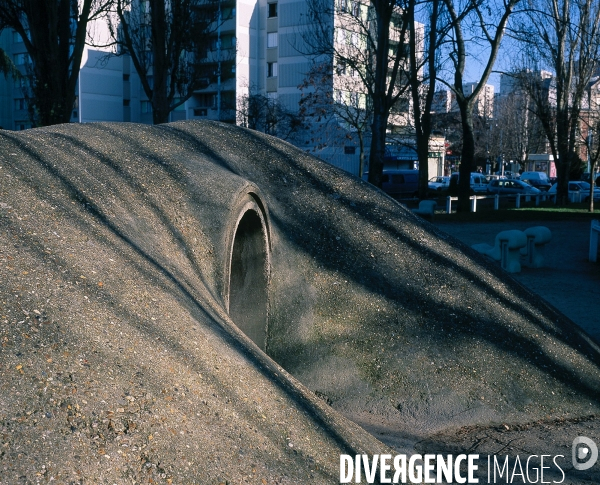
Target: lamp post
[[590, 139], [488, 168]]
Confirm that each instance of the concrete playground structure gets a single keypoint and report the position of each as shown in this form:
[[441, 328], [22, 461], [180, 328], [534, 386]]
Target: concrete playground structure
[[200, 303]]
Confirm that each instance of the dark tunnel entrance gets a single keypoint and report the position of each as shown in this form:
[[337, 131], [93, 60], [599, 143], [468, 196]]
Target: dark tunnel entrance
[[248, 281]]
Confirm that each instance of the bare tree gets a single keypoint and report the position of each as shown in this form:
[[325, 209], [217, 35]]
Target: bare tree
[[261, 113], [342, 101], [422, 87], [370, 40], [562, 36], [516, 131], [473, 24], [54, 33], [590, 133], [169, 45], [592, 144]]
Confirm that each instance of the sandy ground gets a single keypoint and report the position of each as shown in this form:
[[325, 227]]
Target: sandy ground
[[572, 284]]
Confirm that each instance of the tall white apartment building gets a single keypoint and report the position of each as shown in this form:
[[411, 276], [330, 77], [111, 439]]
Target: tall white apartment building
[[256, 52], [252, 52], [484, 104], [261, 50], [257, 49]]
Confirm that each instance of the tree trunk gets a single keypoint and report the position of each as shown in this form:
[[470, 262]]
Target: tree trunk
[[380, 96], [361, 155], [563, 164], [377, 153], [160, 99], [467, 164], [422, 113], [55, 50], [423, 156]]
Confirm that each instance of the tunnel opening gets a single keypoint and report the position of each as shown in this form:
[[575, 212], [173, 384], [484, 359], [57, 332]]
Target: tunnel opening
[[248, 280]]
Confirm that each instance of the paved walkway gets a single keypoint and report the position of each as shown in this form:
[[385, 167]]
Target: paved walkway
[[568, 281]]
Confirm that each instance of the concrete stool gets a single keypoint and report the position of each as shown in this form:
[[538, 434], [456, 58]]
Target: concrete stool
[[426, 208], [537, 237], [506, 249]]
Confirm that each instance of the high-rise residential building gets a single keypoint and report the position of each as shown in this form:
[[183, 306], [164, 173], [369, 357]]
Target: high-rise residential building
[[259, 43], [14, 114], [442, 102], [108, 88], [445, 101], [259, 54], [484, 104], [520, 135], [257, 49]]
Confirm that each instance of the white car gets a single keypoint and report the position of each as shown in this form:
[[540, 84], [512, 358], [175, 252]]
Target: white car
[[510, 187], [579, 191], [438, 183], [479, 182]]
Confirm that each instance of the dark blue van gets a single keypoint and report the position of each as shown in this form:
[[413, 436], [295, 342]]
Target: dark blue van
[[399, 183]]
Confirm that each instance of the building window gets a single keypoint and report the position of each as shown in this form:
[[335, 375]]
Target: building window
[[349, 150], [126, 102], [272, 10], [146, 107], [200, 112], [228, 42], [21, 59], [16, 37], [20, 103], [227, 13], [272, 69], [125, 77], [272, 39]]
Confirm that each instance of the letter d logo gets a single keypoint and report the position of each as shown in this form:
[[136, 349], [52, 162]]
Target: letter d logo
[[585, 453]]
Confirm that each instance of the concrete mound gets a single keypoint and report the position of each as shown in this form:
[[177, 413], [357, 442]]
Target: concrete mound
[[157, 281]]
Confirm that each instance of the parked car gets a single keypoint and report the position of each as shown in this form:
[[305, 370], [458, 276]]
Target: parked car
[[479, 182], [439, 183], [511, 187], [494, 177], [586, 177], [508, 174], [539, 180], [579, 191], [399, 183]]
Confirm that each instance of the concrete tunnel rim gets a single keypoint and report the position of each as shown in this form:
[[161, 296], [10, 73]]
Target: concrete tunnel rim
[[247, 200]]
